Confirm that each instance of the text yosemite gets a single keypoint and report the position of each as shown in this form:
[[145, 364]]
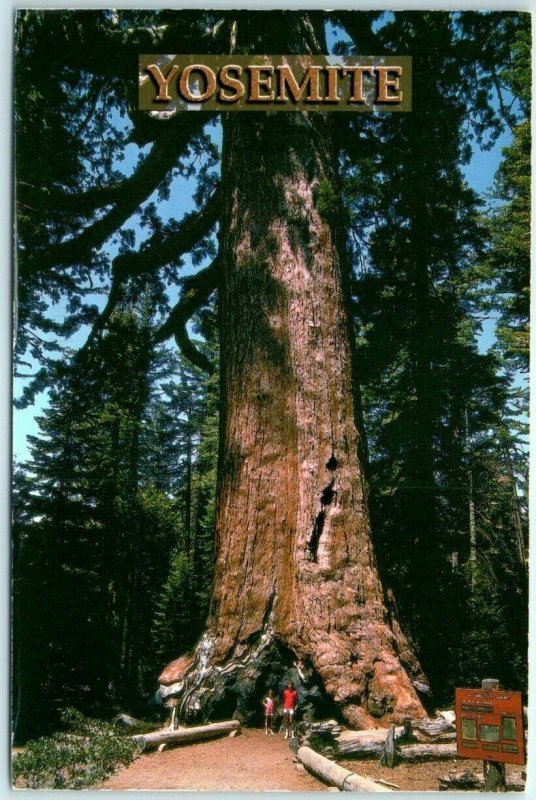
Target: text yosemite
[[275, 83]]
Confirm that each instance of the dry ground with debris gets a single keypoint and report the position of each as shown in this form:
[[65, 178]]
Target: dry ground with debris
[[253, 761], [418, 777]]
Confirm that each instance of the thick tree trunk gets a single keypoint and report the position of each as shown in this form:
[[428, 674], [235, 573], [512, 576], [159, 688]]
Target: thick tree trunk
[[296, 593]]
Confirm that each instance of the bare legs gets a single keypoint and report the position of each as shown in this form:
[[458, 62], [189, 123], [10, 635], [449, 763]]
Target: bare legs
[[288, 724]]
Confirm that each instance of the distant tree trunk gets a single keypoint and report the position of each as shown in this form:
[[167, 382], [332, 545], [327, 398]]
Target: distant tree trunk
[[472, 510], [296, 591], [517, 520], [422, 502], [111, 583], [188, 487]]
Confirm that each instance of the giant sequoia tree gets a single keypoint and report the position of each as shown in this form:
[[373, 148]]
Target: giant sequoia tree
[[296, 583], [295, 570]]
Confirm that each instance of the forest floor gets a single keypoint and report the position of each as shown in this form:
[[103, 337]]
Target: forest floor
[[255, 762]]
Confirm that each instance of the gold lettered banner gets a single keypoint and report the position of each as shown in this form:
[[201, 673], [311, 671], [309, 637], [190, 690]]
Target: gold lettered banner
[[274, 83]]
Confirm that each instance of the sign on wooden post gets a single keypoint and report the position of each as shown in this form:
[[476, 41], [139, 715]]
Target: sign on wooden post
[[489, 725]]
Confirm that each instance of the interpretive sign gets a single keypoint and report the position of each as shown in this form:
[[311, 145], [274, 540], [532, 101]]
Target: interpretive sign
[[489, 725]]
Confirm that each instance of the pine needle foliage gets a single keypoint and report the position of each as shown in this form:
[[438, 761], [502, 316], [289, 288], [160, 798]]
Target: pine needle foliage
[[81, 756]]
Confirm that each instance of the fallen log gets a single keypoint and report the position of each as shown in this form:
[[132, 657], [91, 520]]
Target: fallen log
[[319, 736], [369, 735], [442, 738], [335, 775], [410, 752], [321, 743], [425, 731], [323, 726], [436, 731], [359, 749], [433, 727], [151, 741], [327, 738], [427, 752]]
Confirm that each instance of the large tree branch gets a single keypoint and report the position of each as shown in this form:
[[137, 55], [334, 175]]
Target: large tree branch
[[43, 198], [128, 198], [166, 249], [196, 291], [154, 254]]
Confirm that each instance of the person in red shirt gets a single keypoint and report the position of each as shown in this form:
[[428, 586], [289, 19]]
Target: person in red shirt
[[290, 701]]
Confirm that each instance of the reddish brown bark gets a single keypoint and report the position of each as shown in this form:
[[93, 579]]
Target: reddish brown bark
[[295, 572], [295, 561]]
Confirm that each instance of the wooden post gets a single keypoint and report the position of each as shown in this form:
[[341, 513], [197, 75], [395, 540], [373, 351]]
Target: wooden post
[[494, 771], [408, 729], [389, 750]]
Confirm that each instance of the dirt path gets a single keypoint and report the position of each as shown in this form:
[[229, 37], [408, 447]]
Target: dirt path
[[255, 762], [249, 762]]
